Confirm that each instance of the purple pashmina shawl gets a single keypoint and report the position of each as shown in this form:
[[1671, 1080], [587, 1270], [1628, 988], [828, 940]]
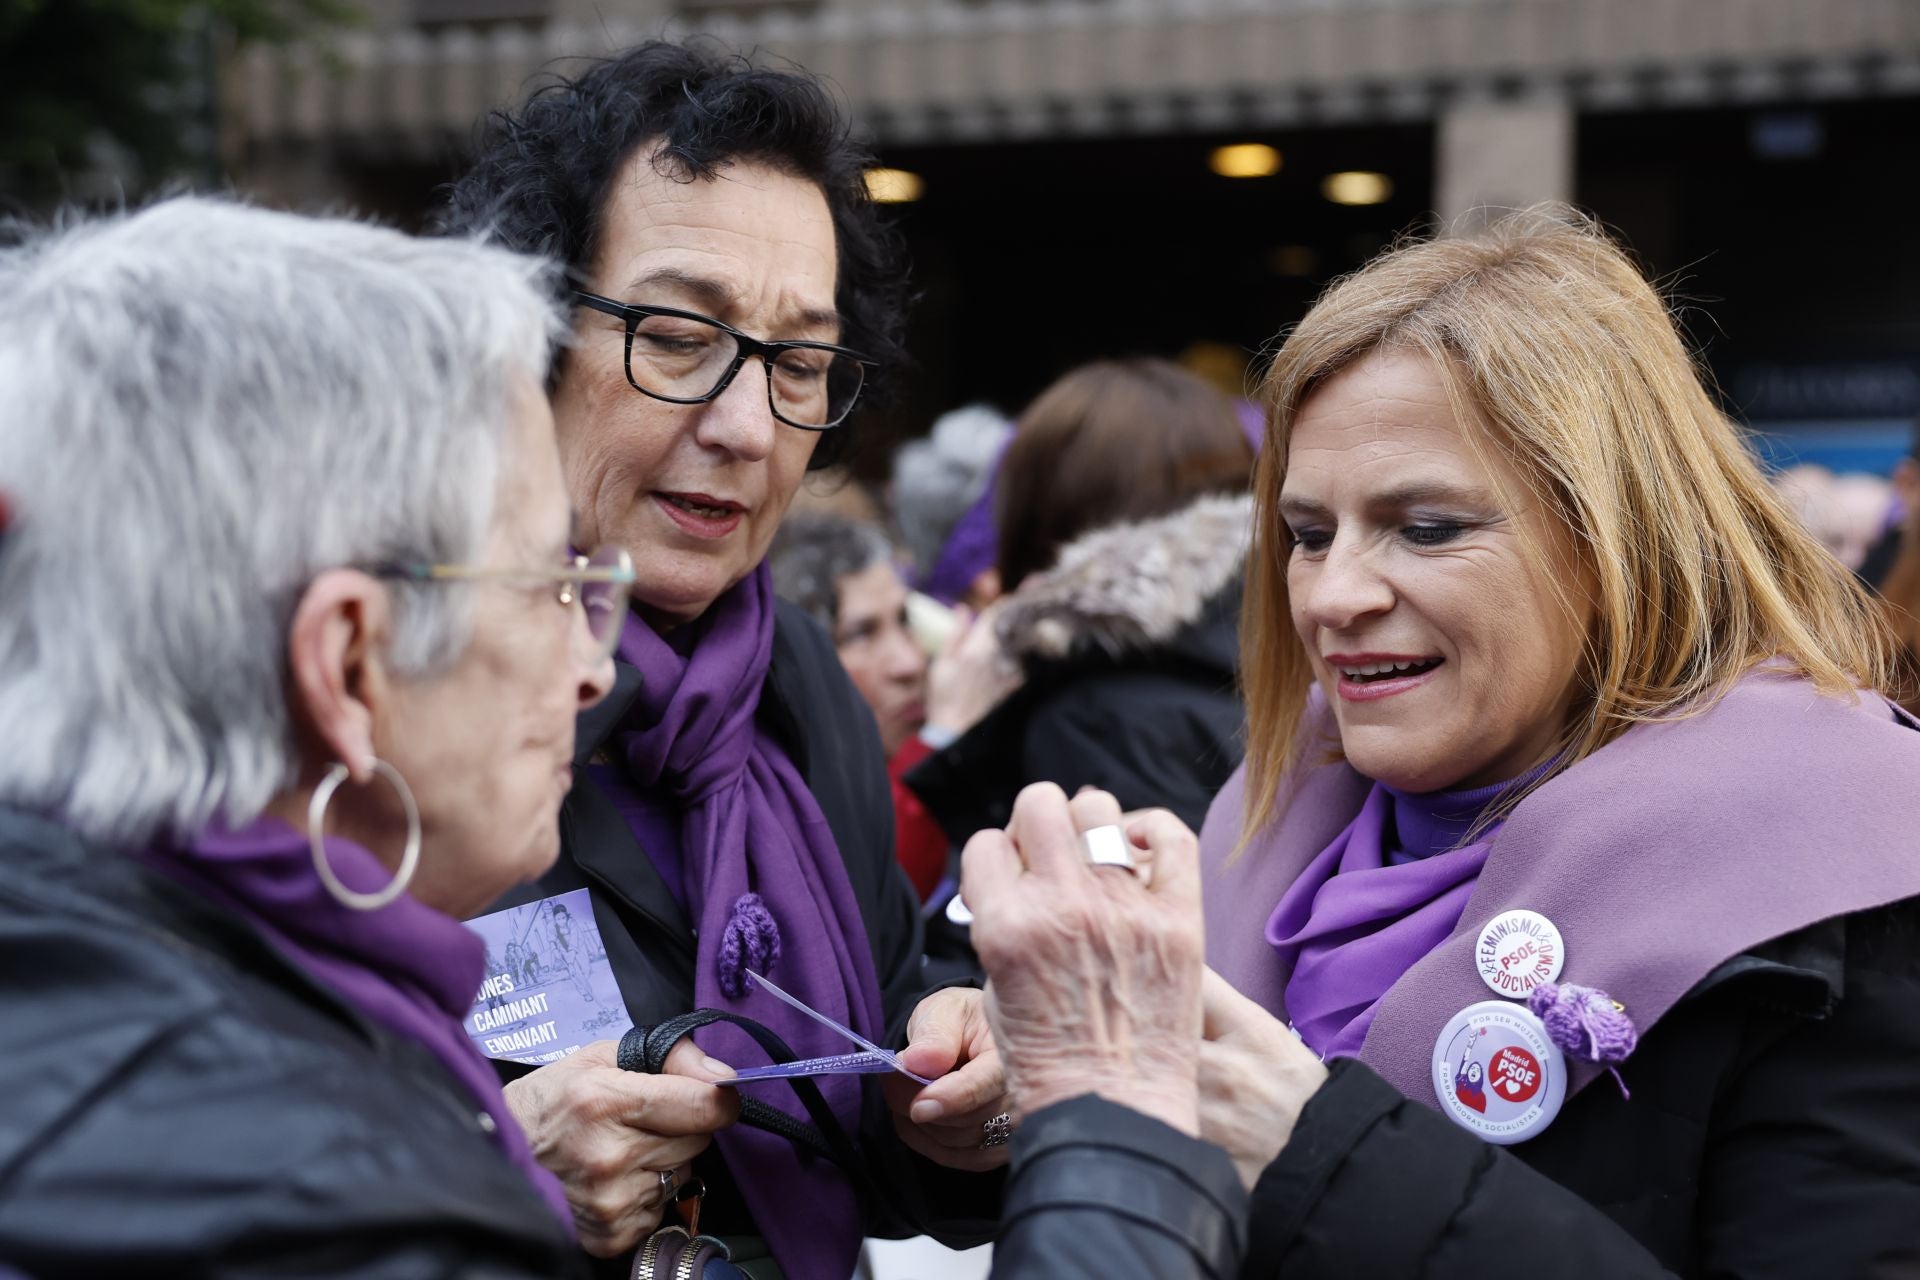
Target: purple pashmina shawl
[[1676, 847]]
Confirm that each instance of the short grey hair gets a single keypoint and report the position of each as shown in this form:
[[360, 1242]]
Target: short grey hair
[[813, 551], [937, 479], [206, 405]]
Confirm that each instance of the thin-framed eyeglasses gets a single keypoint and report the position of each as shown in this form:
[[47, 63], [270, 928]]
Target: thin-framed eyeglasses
[[597, 585], [683, 357]]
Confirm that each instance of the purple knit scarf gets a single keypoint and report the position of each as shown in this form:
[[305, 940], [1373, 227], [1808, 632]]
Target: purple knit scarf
[[406, 966], [766, 885], [1386, 891]]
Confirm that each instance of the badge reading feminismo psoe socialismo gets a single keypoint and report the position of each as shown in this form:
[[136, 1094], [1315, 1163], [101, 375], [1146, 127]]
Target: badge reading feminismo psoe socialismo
[[1517, 951], [1497, 1074]]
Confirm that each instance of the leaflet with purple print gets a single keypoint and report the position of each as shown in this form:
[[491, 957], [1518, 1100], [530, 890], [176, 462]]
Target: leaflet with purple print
[[549, 988]]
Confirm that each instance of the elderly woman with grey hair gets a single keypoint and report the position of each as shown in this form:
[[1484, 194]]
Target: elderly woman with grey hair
[[943, 499], [291, 649]]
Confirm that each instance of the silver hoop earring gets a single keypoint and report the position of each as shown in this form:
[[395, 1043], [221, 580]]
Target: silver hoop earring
[[316, 840]]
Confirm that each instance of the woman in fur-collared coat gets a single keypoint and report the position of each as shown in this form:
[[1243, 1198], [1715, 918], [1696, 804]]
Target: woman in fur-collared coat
[[1123, 527]]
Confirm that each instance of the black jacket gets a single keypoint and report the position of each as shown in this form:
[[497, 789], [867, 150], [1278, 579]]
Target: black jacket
[[814, 712], [1130, 647], [1099, 1192], [178, 1100], [1880, 557], [1773, 1131]]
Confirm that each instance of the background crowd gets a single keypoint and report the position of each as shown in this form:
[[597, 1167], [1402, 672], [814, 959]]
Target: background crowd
[[1115, 665], [1140, 767]]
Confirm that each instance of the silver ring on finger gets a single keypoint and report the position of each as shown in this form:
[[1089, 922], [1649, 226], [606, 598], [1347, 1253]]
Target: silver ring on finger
[[1109, 847], [669, 1184], [998, 1131]]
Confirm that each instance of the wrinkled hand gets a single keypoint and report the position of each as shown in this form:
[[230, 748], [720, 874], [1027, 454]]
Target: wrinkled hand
[[1095, 975], [949, 1041], [1255, 1077], [972, 677], [607, 1134]]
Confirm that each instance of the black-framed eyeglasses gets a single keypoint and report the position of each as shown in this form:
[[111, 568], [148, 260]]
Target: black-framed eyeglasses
[[683, 357], [598, 584]]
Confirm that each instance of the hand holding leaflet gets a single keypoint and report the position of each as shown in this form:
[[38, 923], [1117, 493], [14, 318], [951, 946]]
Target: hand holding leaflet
[[872, 1060]]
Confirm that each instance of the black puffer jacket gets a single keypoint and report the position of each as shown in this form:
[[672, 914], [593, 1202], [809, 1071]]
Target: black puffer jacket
[[810, 707], [178, 1100], [1773, 1131], [1130, 651]]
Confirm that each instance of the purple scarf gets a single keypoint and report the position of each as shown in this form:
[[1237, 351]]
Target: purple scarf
[[971, 548], [407, 967], [1386, 891], [766, 887]]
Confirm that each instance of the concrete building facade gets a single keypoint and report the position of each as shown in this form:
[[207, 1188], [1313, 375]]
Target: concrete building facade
[[1501, 79], [1751, 151]]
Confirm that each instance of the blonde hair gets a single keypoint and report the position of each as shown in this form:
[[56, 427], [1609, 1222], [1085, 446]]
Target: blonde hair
[[1563, 361], [1900, 595]]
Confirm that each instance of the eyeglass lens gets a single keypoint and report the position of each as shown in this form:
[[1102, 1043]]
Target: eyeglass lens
[[685, 359], [605, 603]]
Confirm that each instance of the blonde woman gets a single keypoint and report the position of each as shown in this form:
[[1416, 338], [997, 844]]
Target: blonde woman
[[1567, 887]]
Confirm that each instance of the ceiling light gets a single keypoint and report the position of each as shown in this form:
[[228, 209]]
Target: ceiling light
[[1294, 260], [894, 186], [1245, 160], [1357, 186]]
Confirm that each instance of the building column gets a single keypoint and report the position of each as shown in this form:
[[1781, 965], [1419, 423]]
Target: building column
[[1503, 154]]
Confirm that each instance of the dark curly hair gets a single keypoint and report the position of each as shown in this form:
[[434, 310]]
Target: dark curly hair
[[541, 174]]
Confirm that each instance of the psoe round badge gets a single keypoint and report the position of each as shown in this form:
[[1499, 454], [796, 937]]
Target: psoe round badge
[[1496, 1072], [1517, 951]]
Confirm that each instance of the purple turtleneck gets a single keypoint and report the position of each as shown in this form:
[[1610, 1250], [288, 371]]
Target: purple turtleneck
[[1386, 891]]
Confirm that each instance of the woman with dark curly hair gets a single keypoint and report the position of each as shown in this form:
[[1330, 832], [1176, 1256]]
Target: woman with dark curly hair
[[733, 295]]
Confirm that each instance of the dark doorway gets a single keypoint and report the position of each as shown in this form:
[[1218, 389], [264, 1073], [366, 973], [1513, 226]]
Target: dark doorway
[[1033, 257], [1789, 237]]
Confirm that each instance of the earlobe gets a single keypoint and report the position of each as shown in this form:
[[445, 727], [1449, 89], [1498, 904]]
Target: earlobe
[[334, 673]]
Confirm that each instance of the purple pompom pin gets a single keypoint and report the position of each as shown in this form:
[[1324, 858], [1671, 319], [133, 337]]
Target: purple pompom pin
[[751, 941], [1587, 1023]]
